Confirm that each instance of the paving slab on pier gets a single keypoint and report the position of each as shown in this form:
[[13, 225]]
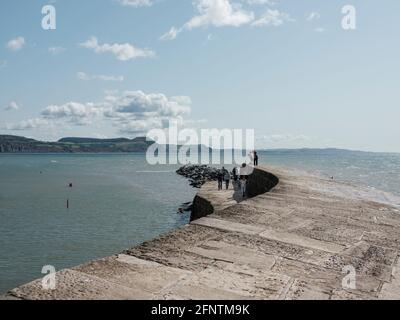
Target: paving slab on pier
[[294, 242]]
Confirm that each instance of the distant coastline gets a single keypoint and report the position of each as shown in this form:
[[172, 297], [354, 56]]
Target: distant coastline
[[20, 145], [16, 144]]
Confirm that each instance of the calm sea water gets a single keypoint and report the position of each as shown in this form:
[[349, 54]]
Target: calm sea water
[[118, 201]]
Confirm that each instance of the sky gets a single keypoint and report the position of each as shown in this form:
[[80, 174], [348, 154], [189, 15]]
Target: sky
[[285, 68]]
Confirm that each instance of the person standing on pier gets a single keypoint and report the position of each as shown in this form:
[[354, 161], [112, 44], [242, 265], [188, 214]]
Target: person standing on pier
[[255, 158], [243, 185], [235, 174], [244, 174], [220, 178], [227, 178]]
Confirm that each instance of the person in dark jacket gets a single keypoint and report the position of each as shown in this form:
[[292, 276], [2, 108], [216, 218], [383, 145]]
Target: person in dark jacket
[[220, 178], [255, 158], [227, 177], [235, 174]]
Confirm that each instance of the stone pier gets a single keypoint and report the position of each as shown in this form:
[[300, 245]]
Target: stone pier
[[294, 239]]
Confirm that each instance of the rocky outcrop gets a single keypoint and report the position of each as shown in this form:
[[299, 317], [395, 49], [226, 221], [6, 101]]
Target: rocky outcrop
[[198, 175]]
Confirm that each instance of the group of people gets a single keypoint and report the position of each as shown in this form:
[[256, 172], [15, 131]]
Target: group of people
[[223, 175], [239, 175]]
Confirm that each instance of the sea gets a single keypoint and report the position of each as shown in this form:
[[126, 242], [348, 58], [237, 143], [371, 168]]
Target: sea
[[62, 210]]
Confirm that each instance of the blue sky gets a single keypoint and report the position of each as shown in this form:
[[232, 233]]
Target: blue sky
[[285, 68]]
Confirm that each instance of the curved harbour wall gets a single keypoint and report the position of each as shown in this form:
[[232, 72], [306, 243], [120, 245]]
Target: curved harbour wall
[[259, 182], [290, 243]]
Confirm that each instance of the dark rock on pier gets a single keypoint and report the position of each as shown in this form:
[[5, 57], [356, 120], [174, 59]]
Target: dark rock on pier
[[198, 175]]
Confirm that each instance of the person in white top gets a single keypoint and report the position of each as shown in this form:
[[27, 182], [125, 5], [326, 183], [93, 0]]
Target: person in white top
[[243, 186]]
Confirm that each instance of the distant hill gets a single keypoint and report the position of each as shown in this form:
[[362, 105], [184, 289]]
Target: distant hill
[[16, 144], [92, 140], [312, 151]]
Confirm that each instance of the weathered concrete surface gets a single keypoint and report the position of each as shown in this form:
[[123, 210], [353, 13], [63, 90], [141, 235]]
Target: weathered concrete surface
[[290, 243]]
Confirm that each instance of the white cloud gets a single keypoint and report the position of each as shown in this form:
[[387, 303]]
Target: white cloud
[[217, 13], [139, 104], [56, 50], [260, 2], [222, 13], [12, 106], [74, 112], [313, 16], [136, 3], [136, 112], [272, 18], [319, 29], [171, 34], [86, 77], [123, 52], [26, 124], [16, 44], [131, 112]]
